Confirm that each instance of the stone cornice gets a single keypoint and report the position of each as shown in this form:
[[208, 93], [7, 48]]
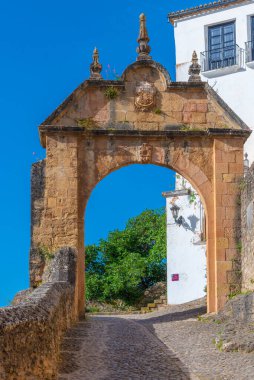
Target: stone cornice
[[171, 132]]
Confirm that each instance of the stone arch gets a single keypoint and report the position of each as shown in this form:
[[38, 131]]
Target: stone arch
[[186, 168], [154, 154]]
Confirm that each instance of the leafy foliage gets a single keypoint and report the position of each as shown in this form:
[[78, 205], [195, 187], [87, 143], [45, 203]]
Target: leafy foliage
[[128, 261]]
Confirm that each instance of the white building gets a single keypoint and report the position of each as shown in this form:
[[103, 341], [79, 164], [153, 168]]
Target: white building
[[222, 33], [186, 248]]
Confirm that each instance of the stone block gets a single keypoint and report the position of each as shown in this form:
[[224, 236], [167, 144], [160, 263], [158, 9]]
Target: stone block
[[222, 242], [187, 117], [198, 118], [229, 157], [176, 105], [218, 156], [177, 116], [232, 188], [220, 213], [230, 232], [190, 107], [236, 168], [230, 222], [211, 117], [220, 254], [231, 212], [239, 157], [51, 202], [222, 168], [221, 188], [221, 301], [233, 241], [202, 107], [228, 200], [229, 177], [223, 289]]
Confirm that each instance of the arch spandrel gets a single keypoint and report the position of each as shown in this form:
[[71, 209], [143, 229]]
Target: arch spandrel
[[107, 154]]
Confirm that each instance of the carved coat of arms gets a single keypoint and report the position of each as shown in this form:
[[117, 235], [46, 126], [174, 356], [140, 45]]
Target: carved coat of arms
[[146, 151], [145, 96]]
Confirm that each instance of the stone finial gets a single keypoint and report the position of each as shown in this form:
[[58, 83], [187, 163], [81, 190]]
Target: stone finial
[[194, 69], [95, 67], [143, 49], [246, 163]]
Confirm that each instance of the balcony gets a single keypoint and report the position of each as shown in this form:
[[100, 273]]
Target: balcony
[[218, 62], [249, 47]]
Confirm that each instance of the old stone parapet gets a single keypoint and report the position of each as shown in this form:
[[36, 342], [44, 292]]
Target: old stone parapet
[[31, 331], [247, 230], [37, 263]]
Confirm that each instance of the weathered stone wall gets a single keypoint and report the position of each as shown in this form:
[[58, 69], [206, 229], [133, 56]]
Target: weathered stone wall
[[247, 217], [240, 308], [31, 331], [37, 205]]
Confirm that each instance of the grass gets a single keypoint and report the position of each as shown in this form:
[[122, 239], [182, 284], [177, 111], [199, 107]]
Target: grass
[[111, 93], [92, 309], [45, 253], [235, 294], [188, 128], [158, 111], [87, 123], [200, 318], [218, 342]]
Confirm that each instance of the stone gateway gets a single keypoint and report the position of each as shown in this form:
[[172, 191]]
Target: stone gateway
[[142, 118]]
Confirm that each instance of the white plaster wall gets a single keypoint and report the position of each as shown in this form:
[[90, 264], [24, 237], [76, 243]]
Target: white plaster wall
[[236, 88], [185, 255]]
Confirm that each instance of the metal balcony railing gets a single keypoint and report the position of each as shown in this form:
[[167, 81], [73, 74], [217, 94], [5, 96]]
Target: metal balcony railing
[[220, 58], [249, 47]]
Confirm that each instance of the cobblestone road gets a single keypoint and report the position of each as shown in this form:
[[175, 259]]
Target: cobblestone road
[[171, 344], [112, 348]]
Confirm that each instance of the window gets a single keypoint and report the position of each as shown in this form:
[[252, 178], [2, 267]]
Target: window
[[221, 46], [249, 45]]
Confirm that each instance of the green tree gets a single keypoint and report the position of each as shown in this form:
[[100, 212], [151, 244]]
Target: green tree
[[128, 261]]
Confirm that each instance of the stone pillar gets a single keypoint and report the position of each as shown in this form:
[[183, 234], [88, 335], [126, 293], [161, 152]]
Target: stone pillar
[[228, 169], [62, 222]]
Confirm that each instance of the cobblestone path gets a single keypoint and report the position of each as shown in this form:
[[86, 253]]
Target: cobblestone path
[[171, 344], [111, 348], [192, 341]]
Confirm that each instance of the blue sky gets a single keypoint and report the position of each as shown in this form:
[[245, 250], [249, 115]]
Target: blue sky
[[46, 50]]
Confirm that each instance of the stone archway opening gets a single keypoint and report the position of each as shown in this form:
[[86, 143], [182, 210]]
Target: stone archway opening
[[134, 213], [185, 259], [186, 244]]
